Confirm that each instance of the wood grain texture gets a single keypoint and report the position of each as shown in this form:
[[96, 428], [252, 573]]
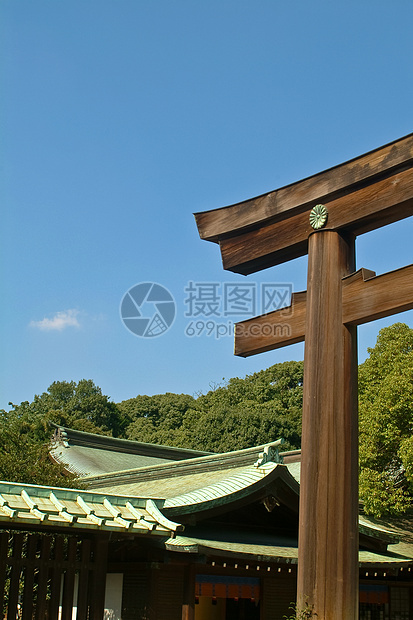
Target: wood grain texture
[[98, 581], [328, 530], [188, 595], [273, 330], [220, 223], [29, 573], [15, 576], [43, 577], [69, 580], [367, 298], [359, 212]]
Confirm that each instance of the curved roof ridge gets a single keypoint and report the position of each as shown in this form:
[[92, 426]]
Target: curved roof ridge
[[70, 436], [375, 530], [231, 486], [199, 464]]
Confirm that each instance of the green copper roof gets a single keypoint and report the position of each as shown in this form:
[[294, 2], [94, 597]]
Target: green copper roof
[[258, 553], [294, 469], [51, 507], [227, 487], [273, 551], [247, 484], [179, 477], [86, 454]]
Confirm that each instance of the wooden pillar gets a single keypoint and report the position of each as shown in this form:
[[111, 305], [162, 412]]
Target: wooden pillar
[[27, 607], [56, 578], [4, 546], [43, 578], [84, 579], [98, 582], [69, 580], [188, 602], [328, 531], [15, 576]]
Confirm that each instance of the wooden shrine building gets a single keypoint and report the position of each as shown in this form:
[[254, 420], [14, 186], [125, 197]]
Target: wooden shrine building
[[161, 533], [176, 535]]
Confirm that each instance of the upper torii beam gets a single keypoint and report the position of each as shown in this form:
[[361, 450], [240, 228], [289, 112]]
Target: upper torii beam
[[321, 216]]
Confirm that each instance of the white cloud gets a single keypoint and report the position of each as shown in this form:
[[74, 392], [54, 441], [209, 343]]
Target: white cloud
[[60, 321]]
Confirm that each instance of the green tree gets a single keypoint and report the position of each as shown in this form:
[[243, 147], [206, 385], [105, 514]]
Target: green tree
[[386, 422], [24, 457], [25, 430], [260, 408], [245, 412], [81, 406], [158, 418]]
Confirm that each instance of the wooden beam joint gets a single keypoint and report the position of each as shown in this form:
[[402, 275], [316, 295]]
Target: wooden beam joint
[[365, 297]]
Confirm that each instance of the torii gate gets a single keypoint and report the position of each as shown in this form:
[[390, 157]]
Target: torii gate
[[322, 215]]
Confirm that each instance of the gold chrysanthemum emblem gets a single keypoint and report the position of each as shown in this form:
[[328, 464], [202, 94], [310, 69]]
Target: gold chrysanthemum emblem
[[318, 216]]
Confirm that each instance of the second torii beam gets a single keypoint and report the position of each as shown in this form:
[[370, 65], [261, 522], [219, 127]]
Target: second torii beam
[[366, 297]]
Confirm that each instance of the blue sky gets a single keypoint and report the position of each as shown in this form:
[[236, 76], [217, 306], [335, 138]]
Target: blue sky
[[119, 120]]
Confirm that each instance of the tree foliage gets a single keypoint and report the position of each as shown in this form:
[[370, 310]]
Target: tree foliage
[[25, 458], [81, 406], [25, 430], [245, 412], [386, 422]]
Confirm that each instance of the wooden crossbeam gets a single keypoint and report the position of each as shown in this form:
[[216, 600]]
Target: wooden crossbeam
[[365, 297], [218, 224], [273, 330], [358, 212]]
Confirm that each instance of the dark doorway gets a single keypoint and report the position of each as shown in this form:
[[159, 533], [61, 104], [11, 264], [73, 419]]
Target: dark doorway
[[242, 609]]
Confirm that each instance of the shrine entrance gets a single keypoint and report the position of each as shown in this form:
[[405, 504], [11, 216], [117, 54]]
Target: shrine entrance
[[321, 216], [227, 598], [227, 609], [242, 609]]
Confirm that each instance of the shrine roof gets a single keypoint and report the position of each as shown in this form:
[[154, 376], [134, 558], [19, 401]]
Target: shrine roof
[[274, 549], [277, 549], [53, 508], [191, 485], [87, 454], [385, 544], [400, 528], [202, 483], [157, 499], [247, 485], [169, 480]]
